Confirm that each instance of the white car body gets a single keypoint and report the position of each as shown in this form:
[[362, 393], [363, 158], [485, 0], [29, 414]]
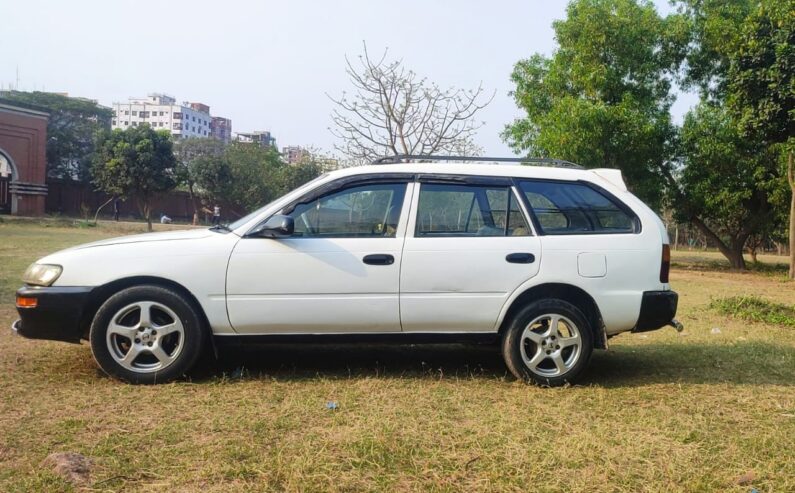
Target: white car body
[[458, 286], [262, 286]]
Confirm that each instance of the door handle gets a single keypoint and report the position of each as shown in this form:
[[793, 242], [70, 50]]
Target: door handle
[[379, 259], [520, 258]]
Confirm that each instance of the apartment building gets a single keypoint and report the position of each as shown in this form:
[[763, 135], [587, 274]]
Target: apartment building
[[294, 154], [221, 129], [261, 137], [162, 112]]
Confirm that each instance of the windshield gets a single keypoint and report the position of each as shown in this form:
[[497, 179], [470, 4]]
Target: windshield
[[243, 220]]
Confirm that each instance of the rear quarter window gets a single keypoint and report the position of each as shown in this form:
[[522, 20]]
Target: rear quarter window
[[564, 208]]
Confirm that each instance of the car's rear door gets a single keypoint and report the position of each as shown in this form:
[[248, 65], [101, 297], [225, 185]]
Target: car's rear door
[[338, 273], [468, 246]]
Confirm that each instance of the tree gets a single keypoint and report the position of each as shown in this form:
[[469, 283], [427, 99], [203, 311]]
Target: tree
[[202, 169], [72, 131], [739, 54], [252, 169], [761, 87], [710, 29], [393, 112], [135, 163], [726, 184], [603, 98], [292, 176]]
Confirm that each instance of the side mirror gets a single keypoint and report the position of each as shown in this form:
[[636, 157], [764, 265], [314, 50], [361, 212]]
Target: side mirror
[[277, 226]]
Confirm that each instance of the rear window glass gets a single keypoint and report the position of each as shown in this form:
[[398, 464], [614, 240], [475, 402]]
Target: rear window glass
[[574, 208]]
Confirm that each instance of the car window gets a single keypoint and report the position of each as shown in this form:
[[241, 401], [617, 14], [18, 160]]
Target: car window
[[575, 208], [469, 210], [370, 210]]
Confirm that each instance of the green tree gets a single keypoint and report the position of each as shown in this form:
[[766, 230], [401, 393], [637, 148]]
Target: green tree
[[726, 184], [135, 163], [202, 169], [252, 169], [761, 87], [258, 175], [602, 99], [739, 54], [711, 29], [291, 176], [72, 131]]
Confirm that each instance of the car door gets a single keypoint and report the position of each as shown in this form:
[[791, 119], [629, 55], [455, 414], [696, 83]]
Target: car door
[[469, 245], [339, 272]]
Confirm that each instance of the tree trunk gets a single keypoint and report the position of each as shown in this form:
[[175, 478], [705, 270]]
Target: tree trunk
[[735, 256], [148, 215], [733, 251], [195, 205], [791, 179]]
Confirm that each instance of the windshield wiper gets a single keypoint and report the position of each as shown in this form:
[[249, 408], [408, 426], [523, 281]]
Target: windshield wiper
[[220, 227]]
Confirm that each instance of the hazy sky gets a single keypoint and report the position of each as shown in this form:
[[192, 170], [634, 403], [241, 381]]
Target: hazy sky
[[268, 65]]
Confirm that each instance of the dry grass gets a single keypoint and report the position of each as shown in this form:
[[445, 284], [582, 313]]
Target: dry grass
[[658, 412]]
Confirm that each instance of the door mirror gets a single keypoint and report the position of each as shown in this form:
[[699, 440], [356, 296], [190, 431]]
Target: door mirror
[[277, 226]]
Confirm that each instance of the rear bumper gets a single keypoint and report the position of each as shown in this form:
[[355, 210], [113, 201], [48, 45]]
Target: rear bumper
[[657, 309], [57, 314]]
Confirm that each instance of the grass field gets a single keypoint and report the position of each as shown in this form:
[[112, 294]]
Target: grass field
[[698, 411]]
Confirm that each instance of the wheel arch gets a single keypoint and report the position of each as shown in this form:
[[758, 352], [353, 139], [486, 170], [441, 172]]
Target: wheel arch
[[101, 294], [566, 292]]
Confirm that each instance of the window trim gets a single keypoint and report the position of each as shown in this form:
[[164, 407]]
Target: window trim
[[637, 225], [344, 182]]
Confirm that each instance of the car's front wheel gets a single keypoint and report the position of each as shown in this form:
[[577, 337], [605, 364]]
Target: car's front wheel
[[146, 334], [549, 342]]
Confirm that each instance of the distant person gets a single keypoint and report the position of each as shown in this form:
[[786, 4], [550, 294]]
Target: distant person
[[216, 215], [164, 219], [116, 207]]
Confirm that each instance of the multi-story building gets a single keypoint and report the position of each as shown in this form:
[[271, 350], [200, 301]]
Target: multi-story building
[[162, 112], [221, 129], [261, 137], [294, 154]]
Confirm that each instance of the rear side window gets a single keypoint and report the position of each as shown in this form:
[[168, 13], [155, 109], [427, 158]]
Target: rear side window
[[574, 208], [469, 210]]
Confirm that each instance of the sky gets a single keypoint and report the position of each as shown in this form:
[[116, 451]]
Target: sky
[[271, 65]]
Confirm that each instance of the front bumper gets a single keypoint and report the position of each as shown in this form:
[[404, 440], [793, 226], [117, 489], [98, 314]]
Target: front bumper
[[57, 314], [657, 309]]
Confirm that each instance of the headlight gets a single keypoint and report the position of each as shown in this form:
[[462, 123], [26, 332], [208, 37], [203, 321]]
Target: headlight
[[42, 274]]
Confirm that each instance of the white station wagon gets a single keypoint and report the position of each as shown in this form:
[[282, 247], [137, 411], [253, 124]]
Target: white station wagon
[[548, 260]]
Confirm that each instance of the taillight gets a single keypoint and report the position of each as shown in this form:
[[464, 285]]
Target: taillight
[[665, 265]]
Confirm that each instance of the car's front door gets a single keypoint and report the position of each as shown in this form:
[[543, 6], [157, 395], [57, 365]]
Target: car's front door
[[468, 247], [339, 272]]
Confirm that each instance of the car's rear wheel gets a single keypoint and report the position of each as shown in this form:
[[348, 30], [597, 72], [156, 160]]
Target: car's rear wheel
[[549, 342], [146, 334]]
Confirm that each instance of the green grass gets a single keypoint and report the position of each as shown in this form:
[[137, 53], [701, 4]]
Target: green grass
[[659, 411], [756, 310]]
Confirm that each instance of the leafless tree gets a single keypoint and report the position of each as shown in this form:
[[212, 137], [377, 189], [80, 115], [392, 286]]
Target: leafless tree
[[392, 112]]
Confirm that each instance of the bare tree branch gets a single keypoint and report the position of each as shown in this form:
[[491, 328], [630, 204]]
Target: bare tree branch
[[393, 112]]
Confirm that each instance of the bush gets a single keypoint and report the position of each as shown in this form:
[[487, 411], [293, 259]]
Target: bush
[[756, 310]]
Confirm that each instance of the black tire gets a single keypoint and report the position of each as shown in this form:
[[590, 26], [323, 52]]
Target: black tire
[[546, 372], [167, 309]]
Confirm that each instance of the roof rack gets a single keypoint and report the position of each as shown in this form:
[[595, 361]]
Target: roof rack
[[537, 161]]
